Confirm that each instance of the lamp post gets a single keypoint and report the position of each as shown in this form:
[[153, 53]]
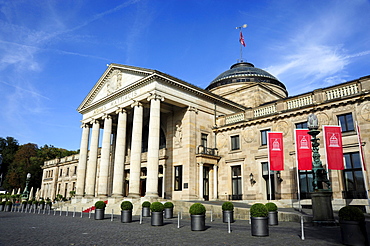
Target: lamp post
[[26, 193], [321, 197]]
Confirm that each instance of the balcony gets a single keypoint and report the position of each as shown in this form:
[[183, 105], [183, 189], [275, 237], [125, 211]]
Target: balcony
[[201, 150]]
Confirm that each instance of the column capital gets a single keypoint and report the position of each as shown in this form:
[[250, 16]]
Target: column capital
[[106, 116], [85, 125], [155, 96], [136, 104], [191, 108], [200, 164], [120, 110], [94, 121]]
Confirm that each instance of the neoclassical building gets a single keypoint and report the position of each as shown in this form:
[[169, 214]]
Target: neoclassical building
[[148, 134]]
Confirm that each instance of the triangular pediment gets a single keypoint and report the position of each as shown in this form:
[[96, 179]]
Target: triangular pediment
[[115, 78]]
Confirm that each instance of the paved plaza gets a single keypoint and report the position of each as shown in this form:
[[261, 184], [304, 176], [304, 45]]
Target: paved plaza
[[18, 228]]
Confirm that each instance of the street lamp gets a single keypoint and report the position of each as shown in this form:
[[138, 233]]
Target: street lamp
[[321, 197], [26, 193]]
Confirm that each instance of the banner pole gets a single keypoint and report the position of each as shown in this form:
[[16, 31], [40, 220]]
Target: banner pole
[[363, 164]]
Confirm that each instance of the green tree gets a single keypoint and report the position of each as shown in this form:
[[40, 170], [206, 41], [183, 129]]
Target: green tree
[[8, 148]]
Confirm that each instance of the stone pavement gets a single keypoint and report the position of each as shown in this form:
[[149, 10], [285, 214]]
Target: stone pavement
[[18, 228]]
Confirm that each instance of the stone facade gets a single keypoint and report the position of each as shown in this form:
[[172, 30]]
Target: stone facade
[[147, 134]]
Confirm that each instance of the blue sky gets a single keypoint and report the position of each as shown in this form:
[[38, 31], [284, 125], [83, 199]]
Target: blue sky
[[53, 52]]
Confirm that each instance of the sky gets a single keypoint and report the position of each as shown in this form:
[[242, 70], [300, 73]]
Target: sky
[[53, 52]]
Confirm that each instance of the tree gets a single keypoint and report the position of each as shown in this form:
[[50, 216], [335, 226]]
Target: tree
[[8, 148]]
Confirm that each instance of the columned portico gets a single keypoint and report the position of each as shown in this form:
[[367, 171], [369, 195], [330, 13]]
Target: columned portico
[[119, 160], [93, 158], [82, 163], [153, 146], [105, 157], [135, 158]]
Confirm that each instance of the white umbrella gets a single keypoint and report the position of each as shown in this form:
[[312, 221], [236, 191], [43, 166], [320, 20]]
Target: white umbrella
[[13, 191], [19, 191], [38, 194], [31, 194]]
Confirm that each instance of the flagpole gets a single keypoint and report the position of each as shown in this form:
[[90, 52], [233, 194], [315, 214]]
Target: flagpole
[[298, 182], [362, 163], [270, 183], [241, 44]]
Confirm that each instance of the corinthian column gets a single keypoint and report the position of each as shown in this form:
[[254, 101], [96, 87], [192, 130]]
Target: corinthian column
[[135, 158], [105, 156], [82, 162], [93, 158], [119, 160], [153, 146]]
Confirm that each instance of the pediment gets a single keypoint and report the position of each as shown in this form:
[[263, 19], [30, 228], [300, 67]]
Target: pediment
[[115, 78]]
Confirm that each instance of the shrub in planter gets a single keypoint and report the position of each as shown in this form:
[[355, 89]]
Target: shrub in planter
[[168, 210], [272, 213], [99, 210], [145, 210], [157, 213], [8, 206], [352, 226], [126, 212], [259, 220], [198, 217], [228, 212]]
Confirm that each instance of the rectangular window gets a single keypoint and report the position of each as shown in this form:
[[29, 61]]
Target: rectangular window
[[236, 177], [61, 172], [264, 137], [353, 178], [67, 173], [75, 171], [235, 143], [346, 122], [302, 125], [203, 140], [178, 178]]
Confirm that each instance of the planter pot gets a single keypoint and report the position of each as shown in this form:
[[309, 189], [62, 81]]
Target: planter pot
[[198, 222], [126, 216], [145, 211], [273, 218], [1, 207], [99, 214], [168, 213], [353, 232], [226, 214], [157, 219], [260, 226], [8, 208]]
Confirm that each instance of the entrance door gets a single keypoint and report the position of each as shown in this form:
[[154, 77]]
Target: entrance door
[[206, 183], [265, 175], [143, 181], [236, 176]]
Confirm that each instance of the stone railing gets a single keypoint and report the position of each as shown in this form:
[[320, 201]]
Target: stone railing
[[341, 91], [265, 110], [299, 102], [234, 118]]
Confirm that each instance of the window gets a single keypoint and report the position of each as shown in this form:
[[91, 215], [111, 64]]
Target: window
[[67, 173], [264, 137], [346, 122], [178, 178], [61, 172], [203, 140], [305, 183], [75, 171], [353, 178], [302, 125], [236, 177], [235, 144]]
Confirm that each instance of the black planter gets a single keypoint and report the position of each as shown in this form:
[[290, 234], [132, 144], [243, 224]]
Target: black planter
[[145, 211], [353, 232], [168, 213], [260, 226], [126, 216], [226, 214], [157, 219], [2, 207], [8, 208], [273, 218], [99, 214], [198, 222]]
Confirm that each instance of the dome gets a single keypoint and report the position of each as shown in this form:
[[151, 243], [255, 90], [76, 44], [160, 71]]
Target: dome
[[244, 72]]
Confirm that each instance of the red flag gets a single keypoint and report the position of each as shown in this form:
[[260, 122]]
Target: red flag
[[360, 146], [275, 150], [333, 147], [241, 39], [303, 149]]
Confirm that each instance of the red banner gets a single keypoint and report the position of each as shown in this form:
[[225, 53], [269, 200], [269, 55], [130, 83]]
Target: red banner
[[275, 150], [303, 149], [333, 147]]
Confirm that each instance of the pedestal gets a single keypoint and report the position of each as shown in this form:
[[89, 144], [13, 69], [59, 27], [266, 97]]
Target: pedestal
[[322, 208]]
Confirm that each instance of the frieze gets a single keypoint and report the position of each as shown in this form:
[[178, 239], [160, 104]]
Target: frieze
[[117, 101]]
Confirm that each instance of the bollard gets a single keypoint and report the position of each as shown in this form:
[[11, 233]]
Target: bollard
[[43, 212], [141, 218], [211, 215], [181, 213], [178, 220], [111, 217], [67, 212], [74, 212], [302, 228], [228, 223], [49, 210], [250, 219], [39, 210], [82, 211], [60, 214], [22, 210], [54, 212], [89, 214]]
